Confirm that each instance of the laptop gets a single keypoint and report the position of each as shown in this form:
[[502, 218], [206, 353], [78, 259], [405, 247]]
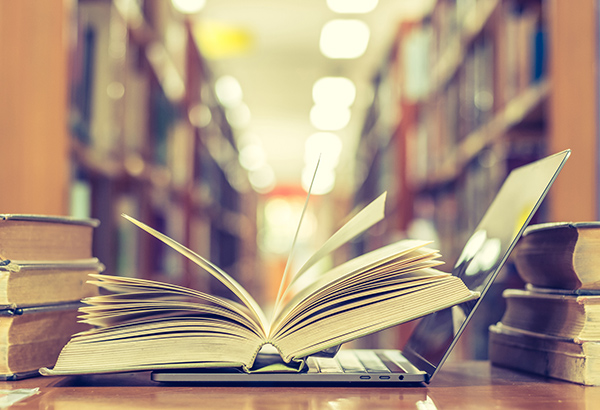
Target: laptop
[[435, 335]]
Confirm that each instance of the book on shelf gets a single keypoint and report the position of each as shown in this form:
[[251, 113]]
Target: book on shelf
[[45, 238], [560, 255], [33, 337], [43, 283], [186, 328], [567, 359]]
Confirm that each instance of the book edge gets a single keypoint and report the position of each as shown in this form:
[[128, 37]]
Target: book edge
[[51, 218]]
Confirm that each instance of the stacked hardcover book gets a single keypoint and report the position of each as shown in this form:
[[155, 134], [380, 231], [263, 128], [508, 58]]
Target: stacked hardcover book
[[552, 326], [44, 265]]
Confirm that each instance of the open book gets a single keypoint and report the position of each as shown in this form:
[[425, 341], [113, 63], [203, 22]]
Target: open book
[[147, 325]]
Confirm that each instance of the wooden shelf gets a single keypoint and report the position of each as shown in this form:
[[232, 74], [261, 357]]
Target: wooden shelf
[[454, 53], [138, 152], [510, 81], [524, 110]]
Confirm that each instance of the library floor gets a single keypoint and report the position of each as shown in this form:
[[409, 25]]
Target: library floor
[[463, 385]]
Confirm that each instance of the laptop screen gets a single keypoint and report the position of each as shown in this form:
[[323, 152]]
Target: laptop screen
[[482, 257]]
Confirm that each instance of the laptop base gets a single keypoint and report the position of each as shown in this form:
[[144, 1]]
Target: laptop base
[[348, 367]]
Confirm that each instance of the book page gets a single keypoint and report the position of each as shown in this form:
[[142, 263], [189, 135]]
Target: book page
[[140, 299], [361, 297], [211, 268], [367, 217], [284, 279], [357, 266], [324, 329]]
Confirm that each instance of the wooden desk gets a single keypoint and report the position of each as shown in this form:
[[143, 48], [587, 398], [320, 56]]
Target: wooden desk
[[467, 385]]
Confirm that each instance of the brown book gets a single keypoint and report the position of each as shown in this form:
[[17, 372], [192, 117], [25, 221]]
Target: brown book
[[45, 238], [568, 316], [560, 255], [555, 357], [43, 283], [33, 337]]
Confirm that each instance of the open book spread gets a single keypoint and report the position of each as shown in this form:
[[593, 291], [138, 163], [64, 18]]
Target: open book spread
[[148, 325]]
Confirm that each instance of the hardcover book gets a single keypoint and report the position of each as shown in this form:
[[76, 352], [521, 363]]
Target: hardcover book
[[142, 324], [551, 356], [560, 255], [45, 238]]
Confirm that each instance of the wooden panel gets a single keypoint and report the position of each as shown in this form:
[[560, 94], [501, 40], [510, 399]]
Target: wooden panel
[[574, 109], [33, 106]]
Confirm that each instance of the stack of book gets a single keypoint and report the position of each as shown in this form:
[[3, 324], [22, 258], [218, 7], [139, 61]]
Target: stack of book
[[44, 266], [552, 326]]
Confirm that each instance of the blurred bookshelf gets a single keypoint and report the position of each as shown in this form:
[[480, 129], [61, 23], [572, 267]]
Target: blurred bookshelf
[[150, 139], [467, 93]]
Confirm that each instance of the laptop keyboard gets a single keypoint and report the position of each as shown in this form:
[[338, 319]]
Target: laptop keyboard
[[358, 361]]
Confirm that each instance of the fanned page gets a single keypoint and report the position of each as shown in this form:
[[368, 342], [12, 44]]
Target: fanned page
[[363, 220], [361, 265], [284, 279], [367, 217], [211, 268], [133, 298]]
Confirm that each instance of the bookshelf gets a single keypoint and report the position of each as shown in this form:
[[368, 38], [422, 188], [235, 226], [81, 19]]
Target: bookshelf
[[481, 87], [149, 139]]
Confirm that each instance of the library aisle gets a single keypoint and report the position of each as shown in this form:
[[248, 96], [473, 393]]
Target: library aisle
[[203, 124]]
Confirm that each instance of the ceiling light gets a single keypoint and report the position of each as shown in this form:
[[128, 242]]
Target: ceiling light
[[252, 157], [323, 183], [344, 38], [229, 91], [278, 212], [339, 91], [188, 6], [324, 145], [329, 118], [262, 179], [352, 6]]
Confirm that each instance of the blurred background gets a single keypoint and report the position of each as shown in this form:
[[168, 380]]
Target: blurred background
[[205, 120]]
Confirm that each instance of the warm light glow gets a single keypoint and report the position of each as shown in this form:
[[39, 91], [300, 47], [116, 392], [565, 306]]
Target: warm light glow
[[352, 6], [222, 40], [252, 157], [338, 91], [329, 118], [324, 180], [324, 145], [281, 215], [262, 179], [344, 38], [238, 116], [229, 91], [188, 6], [278, 212]]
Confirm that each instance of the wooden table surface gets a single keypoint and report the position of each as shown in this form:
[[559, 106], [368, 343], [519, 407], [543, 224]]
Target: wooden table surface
[[461, 385]]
